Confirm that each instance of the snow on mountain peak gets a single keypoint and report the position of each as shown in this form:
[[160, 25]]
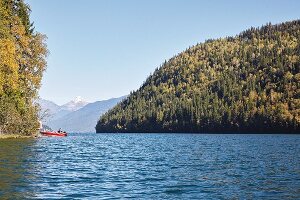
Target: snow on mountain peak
[[75, 104], [78, 99]]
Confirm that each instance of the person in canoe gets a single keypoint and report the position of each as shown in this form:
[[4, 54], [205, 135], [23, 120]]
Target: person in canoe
[[59, 130]]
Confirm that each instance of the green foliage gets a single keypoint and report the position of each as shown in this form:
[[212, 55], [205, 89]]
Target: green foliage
[[22, 63], [246, 83]]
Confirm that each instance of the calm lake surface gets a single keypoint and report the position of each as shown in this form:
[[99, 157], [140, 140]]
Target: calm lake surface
[[151, 166]]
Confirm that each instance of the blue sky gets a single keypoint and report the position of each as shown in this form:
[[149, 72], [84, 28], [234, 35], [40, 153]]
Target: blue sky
[[101, 49]]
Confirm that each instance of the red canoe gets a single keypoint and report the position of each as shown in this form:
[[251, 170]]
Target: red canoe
[[55, 134]]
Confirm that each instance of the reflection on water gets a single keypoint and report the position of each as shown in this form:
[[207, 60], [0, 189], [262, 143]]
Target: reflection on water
[[151, 166], [16, 168]]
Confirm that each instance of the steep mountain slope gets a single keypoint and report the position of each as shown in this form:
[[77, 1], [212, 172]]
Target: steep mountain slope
[[84, 119], [246, 83]]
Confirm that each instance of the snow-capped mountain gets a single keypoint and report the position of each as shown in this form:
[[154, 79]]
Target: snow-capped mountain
[[76, 115], [74, 105], [51, 111], [85, 119]]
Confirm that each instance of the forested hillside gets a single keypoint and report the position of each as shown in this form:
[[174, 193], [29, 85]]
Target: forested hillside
[[246, 83], [22, 63]]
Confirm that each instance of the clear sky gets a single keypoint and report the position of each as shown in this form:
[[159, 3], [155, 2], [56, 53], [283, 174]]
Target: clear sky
[[101, 49]]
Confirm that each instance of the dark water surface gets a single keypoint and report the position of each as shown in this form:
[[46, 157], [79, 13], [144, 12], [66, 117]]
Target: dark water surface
[[151, 166]]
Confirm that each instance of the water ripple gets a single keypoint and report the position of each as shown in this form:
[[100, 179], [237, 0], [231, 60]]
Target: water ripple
[[151, 166]]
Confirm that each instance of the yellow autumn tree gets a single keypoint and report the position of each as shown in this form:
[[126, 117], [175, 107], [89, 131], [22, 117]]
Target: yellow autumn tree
[[22, 63]]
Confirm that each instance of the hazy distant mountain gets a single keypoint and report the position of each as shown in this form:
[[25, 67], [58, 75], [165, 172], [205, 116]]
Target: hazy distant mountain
[[83, 119], [49, 106], [50, 110]]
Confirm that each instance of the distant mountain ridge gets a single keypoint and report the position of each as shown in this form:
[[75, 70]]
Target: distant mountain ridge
[[49, 106], [51, 111], [77, 115]]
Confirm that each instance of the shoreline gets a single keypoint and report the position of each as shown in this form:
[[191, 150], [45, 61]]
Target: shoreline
[[12, 136]]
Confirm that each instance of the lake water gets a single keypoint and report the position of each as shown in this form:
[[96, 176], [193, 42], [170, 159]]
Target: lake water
[[151, 166]]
